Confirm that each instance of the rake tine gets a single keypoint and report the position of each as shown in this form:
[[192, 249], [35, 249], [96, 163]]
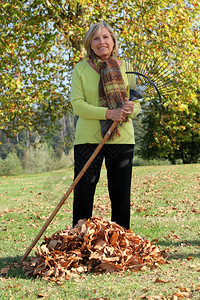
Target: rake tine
[[159, 75], [146, 65], [170, 91], [142, 65], [163, 90], [146, 83], [167, 79], [150, 63], [167, 71], [164, 73], [161, 70], [166, 83], [150, 85]]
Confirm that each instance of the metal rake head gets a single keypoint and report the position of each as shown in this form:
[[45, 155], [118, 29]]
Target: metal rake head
[[150, 78]]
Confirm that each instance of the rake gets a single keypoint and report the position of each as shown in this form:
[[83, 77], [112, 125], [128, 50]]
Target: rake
[[153, 80]]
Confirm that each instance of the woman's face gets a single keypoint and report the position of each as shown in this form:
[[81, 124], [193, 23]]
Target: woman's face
[[102, 43]]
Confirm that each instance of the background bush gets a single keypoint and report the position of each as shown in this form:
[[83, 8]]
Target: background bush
[[38, 159], [11, 165]]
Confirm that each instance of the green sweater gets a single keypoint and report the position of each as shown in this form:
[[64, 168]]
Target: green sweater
[[85, 103]]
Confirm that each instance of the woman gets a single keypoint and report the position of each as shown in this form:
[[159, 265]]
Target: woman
[[99, 97]]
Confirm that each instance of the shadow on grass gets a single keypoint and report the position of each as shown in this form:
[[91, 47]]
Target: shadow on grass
[[12, 268], [181, 253]]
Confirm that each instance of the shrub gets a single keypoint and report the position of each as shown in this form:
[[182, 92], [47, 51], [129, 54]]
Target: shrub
[[38, 159], [138, 161], [1, 167], [66, 160], [11, 165]]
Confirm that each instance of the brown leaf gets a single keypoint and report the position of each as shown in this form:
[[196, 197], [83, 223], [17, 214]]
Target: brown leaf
[[154, 266], [109, 267], [52, 243], [182, 293], [143, 296], [190, 257], [173, 237], [155, 297], [4, 270], [42, 295], [158, 280], [114, 238]]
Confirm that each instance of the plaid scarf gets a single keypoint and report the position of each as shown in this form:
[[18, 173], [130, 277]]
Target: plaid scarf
[[112, 90]]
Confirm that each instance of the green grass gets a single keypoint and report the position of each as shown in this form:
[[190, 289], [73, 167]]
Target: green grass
[[165, 206]]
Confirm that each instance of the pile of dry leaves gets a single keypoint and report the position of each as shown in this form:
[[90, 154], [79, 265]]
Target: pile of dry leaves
[[92, 246]]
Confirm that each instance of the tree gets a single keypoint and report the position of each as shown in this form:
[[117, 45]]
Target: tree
[[34, 75], [171, 133], [41, 41], [172, 126]]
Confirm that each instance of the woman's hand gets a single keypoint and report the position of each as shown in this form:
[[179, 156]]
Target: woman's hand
[[117, 115], [128, 107]]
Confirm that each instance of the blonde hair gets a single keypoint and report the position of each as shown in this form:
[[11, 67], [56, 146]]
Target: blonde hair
[[91, 32]]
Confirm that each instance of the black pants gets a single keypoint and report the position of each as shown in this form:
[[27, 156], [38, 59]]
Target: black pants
[[118, 161]]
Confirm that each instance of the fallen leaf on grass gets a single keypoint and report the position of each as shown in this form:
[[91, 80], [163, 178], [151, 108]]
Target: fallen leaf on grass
[[173, 236], [182, 293], [93, 245], [42, 295], [5, 270], [190, 257], [158, 280], [143, 296], [156, 297], [154, 266], [7, 211]]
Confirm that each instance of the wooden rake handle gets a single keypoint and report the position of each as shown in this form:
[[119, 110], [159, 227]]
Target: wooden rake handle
[[72, 186]]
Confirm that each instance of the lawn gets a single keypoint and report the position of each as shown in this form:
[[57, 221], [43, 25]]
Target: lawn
[[165, 208]]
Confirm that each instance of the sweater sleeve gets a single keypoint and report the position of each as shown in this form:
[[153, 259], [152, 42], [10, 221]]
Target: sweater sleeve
[[78, 100], [136, 109]]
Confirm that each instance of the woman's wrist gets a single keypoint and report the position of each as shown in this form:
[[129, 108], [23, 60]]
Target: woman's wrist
[[108, 114]]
